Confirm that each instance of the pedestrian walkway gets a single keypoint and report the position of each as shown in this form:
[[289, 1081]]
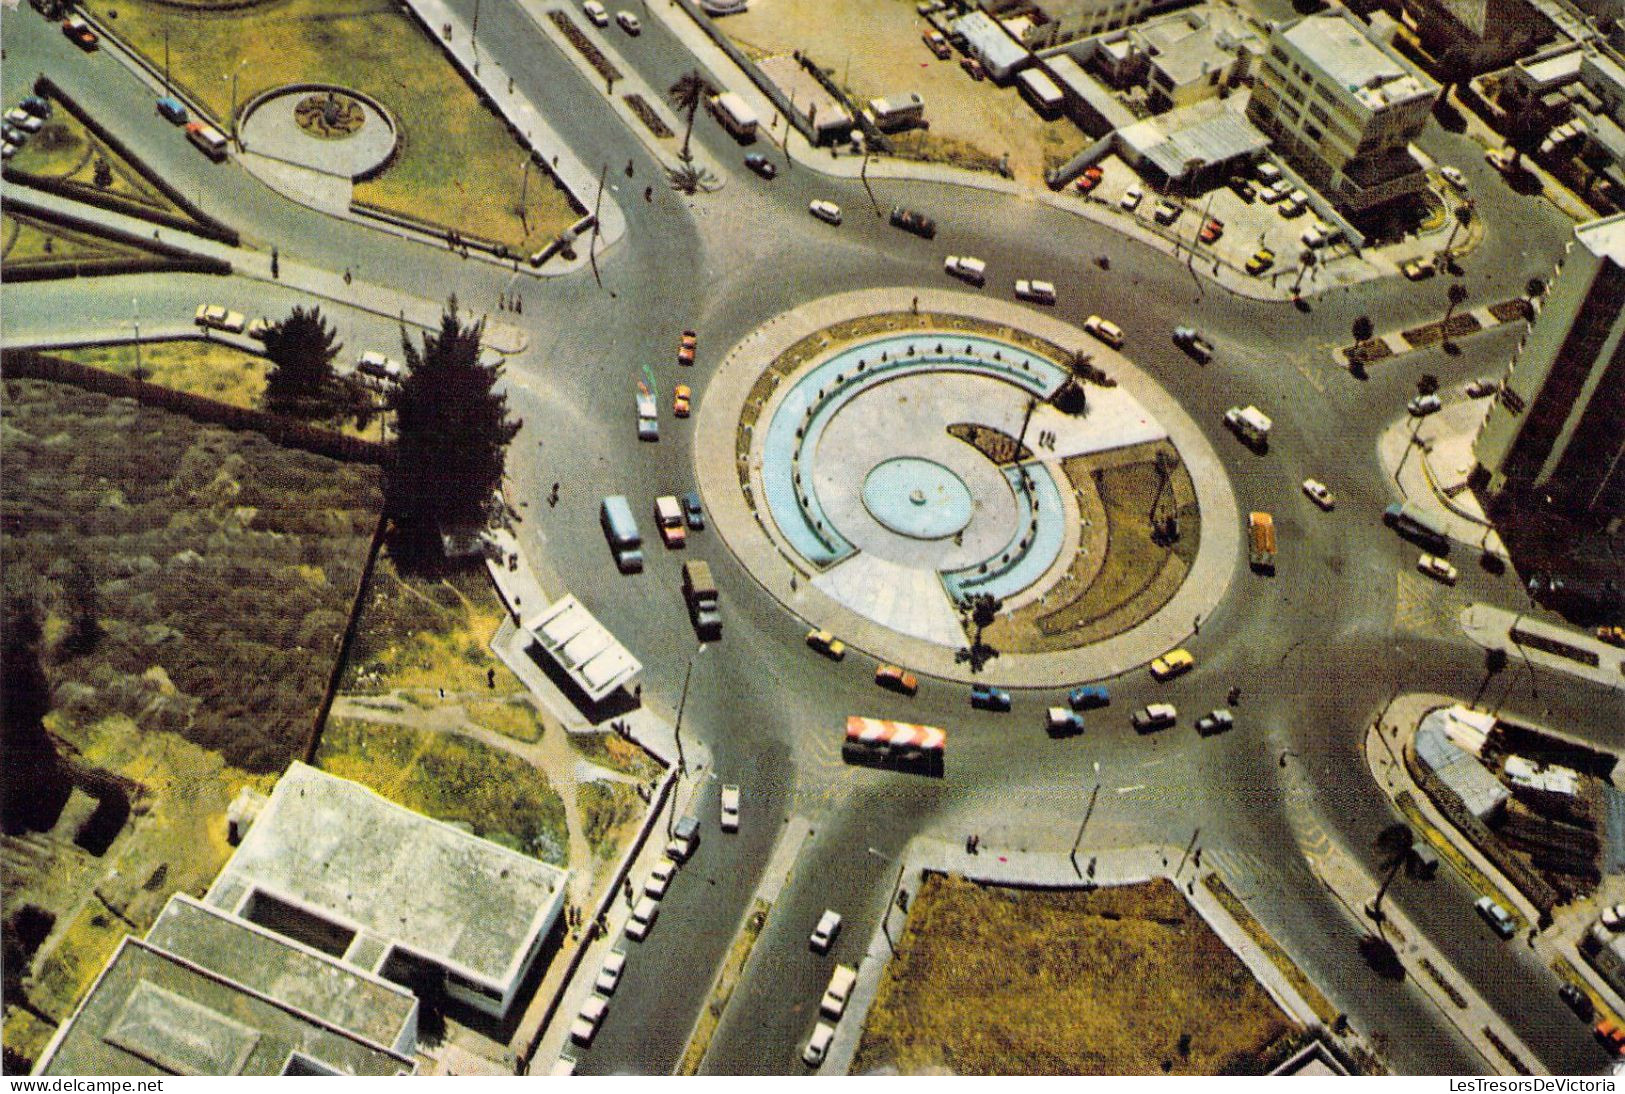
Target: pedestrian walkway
[[1492, 627], [1398, 345], [1429, 458]]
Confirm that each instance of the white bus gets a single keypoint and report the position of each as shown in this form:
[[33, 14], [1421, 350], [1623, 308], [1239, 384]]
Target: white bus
[[735, 115]]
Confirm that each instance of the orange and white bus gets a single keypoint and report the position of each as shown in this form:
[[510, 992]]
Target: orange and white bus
[[876, 742]]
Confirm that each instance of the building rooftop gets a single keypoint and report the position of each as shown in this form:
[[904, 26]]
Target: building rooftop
[[1480, 791], [1072, 77], [152, 1013], [1375, 74], [1194, 136], [283, 970], [583, 647], [374, 876], [802, 88], [990, 41]]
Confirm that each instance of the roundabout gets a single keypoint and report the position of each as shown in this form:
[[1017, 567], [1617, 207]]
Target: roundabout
[[894, 466]]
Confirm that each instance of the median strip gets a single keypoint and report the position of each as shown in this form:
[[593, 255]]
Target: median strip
[[722, 990]]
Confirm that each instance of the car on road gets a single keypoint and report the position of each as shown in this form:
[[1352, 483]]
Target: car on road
[[643, 919], [937, 44], [258, 328], [687, 348], [897, 679], [1191, 341], [730, 808], [826, 211], [973, 270], [1437, 568], [1215, 721], [609, 973], [1454, 177], [988, 697], [659, 879], [818, 1044], [1481, 387], [1422, 405], [761, 165], [80, 34], [1418, 269], [1317, 492], [693, 514], [823, 935], [1036, 292], [1166, 212], [1262, 260], [23, 120], [1088, 697], [912, 221], [588, 1019], [833, 1004], [1060, 722], [827, 644], [1614, 636], [629, 23], [1155, 716], [1131, 198], [1578, 1001], [596, 12], [173, 110], [1105, 330], [1500, 158], [1496, 916], [1171, 664], [680, 397], [1212, 230], [215, 317]]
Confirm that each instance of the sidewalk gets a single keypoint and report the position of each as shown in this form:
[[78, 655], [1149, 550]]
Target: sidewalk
[[1491, 627], [1428, 459]]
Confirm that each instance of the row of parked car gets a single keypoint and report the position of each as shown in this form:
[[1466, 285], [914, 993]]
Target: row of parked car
[[23, 121]]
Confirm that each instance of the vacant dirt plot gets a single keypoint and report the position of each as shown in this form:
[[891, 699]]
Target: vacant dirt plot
[[873, 49], [1120, 981]]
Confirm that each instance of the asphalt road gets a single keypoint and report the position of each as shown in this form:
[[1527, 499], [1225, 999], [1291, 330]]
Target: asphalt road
[[1316, 650]]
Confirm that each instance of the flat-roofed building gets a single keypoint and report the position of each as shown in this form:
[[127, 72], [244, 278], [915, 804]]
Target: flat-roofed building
[[343, 871], [1343, 108], [1051, 22], [987, 39]]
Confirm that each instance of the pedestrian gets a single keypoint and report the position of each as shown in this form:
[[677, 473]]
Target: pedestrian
[[519, 304], [915, 307], [648, 193], [442, 693], [501, 303], [347, 278], [491, 678], [276, 269], [1196, 625], [510, 85], [637, 692]]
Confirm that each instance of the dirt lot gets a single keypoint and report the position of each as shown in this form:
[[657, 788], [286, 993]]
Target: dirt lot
[[1120, 981], [874, 50]]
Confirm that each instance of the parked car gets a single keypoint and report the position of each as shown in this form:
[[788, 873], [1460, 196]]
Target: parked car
[[629, 23], [685, 837], [379, 368], [680, 399], [258, 328], [1261, 261], [1244, 189], [1437, 568], [1166, 212], [818, 1044], [1319, 494], [1496, 916], [1105, 330], [1132, 197], [1611, 1035], [588, 1019], [1191, 341], [897, 679], [826, 211], [730, 808], [659, 879], [1036, 292], [1274, 193], [823, 935], [22, 119], [643, 919], [973, 68], [1418, 269], [1614, 636], [761, 165], [1481, 387], [1215, 721], [38, 106], [7, 149], [833, 1004], [1318, 235], [973, 270], [988, 697], [609, 973], [596, 12], [827, 644], [1421, 406], [1060, 722], [693, 514], [1088, 697], [1212, 230], [80, 34], [1295, 205], [215, 317], [1086, 183], [1500, 158], [1578, 1001], [1454, 177], [1155, 716], [1267, 172], [937, 44], [1174, 663]]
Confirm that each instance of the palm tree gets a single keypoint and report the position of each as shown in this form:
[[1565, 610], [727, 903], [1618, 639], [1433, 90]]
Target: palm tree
[[1456, 295], [1393, 849], [688, 92], [1464, 217], [1305, 260]]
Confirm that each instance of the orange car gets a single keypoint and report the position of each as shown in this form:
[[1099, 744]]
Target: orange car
[[897, 679], [685, 351], [1611, 1035], [679, 401]]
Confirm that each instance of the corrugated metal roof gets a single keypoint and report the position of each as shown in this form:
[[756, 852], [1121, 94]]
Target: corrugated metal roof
[[1193, 137]]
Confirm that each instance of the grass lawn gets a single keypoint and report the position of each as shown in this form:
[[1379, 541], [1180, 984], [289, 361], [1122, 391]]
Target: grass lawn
[[609, 811], [64, 149], [220, 372], [457, 166], [497, 795], [616, 753], [1120, 981], [29, 242]]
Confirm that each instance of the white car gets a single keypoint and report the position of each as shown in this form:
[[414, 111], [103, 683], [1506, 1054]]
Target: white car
[[833, 1005], [595, 11], [826, 211], [1423, 405], [23, 120], [376, 366], [823, 936], [1437, 568], [643, 919], [1496, 916], [1105, 330], [609, 976], [629, 23], [966, 268], [1613, 917], [1132, 197], [1317, 235], [216, 317], [730, 808], [1317, 493], [1454, 177], [818, 1044], [1039, 292], [588, 1019], [660, 878]]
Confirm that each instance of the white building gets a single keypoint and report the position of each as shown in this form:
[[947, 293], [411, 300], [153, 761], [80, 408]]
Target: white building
[[989, 42]]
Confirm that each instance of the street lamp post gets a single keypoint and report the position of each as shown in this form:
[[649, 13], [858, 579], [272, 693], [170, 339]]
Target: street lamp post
[[891, 901], [677, 730]]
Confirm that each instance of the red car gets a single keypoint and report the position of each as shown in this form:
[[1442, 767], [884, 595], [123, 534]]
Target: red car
[[1212, 230], [1089, 179], [685, 351], [936, 43], [79, 33], [973, 68]]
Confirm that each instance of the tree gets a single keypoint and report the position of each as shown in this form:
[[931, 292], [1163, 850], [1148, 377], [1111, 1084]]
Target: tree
[[452, 431], [84, 608], [1495, 662], [688, 92], [1427, 384], [1456, 295], [1305, 260], [301, 349], [1363, 328], [34, 784], [1464, 217], [1393, 850], [983, 609]]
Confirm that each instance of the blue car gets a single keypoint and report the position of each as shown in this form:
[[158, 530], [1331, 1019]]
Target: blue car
[[692, 513], [173, 110], [1088, 697], [984, 697]]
